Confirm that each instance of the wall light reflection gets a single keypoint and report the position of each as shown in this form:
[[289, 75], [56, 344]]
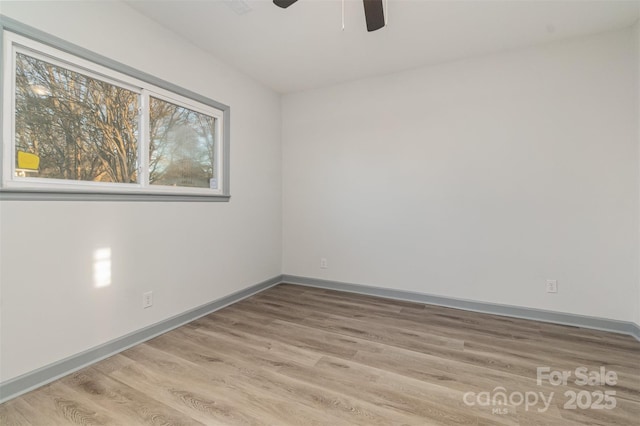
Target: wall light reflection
[[102, 267]]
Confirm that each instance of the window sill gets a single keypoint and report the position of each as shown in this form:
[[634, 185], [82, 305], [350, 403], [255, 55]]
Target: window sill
[[34, 195]]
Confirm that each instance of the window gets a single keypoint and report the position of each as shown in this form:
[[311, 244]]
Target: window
[[73, 126], [181, 146], [77, 126]]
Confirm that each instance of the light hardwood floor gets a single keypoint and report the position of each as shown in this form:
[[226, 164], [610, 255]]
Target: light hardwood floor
[[302, 356]]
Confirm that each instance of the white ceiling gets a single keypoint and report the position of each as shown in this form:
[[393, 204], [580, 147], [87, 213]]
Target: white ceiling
[[304, 47]]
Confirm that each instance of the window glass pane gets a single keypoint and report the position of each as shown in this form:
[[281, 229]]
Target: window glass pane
[[181, 147], [71, 126]]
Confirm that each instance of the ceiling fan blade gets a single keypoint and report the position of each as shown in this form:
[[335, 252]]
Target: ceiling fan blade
[[284, 3], [374, 14]]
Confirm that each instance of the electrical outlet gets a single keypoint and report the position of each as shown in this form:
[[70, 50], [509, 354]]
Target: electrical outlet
[[147, 299], [323, 263], [552, 286]]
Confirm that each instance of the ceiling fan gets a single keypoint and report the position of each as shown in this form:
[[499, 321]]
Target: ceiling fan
[[373, 12]]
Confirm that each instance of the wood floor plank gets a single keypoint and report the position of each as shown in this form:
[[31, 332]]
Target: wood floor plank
[[247, 371], [439, 404], [11, 413], [115, 396], [57, 404], [295, 355], [312, 339], [281, 306], [190, 388], [352, 326]]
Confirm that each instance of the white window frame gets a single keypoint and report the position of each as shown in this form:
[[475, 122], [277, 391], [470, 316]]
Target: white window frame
[[20, 39], [174, 98]]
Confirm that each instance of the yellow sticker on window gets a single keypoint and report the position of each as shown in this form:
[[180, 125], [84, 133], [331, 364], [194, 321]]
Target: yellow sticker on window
[[28, 161]]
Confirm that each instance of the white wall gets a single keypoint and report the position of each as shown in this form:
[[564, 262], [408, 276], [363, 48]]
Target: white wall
[[188, 254], [477, 179]]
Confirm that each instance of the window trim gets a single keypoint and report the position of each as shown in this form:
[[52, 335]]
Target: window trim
[[127, 77]]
